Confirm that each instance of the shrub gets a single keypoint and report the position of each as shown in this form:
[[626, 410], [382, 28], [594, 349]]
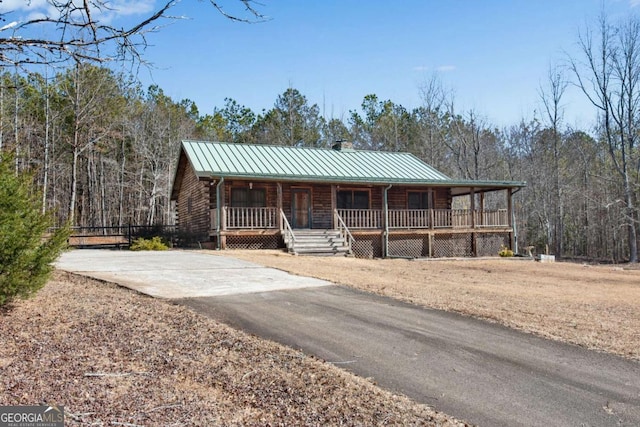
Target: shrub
[[505, 252], [27, 251], [153, 244]]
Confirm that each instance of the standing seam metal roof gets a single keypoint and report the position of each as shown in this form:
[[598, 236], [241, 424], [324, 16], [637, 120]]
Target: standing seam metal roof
[[217, 159]]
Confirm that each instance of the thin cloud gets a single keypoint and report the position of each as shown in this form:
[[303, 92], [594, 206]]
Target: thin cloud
[[125, 8], [446, 68], [21, 5], [634, 3], [440, 68], [113, 9]]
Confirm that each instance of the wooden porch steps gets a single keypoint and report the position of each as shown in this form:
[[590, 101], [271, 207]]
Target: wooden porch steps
[[318, 243]]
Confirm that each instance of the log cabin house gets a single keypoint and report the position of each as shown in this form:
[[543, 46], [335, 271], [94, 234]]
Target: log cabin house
[[339, 200]]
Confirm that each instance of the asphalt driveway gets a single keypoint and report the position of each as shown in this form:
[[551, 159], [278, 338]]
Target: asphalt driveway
[[474, 370]]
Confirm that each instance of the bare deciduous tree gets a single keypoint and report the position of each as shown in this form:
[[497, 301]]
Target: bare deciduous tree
[[608, 73], [551, 95], [82, 30]]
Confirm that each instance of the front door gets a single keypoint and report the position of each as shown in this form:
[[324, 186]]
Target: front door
[[301, 208]]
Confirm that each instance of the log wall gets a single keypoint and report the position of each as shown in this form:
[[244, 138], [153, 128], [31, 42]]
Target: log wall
[[193, 204]]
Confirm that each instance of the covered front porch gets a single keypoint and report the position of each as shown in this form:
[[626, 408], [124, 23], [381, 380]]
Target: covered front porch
[[374, 221]]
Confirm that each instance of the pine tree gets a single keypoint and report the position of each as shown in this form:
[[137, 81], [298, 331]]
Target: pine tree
[[26, 249]]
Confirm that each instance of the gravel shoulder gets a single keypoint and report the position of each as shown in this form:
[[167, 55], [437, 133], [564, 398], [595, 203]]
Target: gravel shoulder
[[115, 357], [597, 307]]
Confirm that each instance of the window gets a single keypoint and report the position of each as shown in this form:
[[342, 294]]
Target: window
[[353, 199], [248, 198], [420, 200]]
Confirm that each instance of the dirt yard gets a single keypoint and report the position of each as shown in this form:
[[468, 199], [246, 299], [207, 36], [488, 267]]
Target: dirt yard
[[116, 358], [593, 306]]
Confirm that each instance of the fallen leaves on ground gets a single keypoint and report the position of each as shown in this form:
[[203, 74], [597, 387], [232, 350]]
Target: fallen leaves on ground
[[114, 357]]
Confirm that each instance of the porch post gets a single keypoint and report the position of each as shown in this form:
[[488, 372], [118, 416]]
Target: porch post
[[222, 217], [431, 245], [512, 237], [474, 236], [334, 205], [472, 194], [385, 233], [482, 208], [279, 204]]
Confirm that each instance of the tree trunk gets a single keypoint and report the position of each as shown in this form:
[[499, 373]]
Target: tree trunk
[[45, 173], [74, 185]]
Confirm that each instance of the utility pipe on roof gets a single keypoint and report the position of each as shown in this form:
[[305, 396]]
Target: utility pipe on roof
[[218, 213], [385, 199]]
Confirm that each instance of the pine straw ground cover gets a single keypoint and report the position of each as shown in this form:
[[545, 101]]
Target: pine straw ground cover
[[595, 306], [114, 357]]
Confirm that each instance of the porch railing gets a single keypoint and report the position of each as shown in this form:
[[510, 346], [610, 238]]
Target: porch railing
[[494, 218], [451, 218], [361, 218], [267, 218], [287, 231], [424, 218], [344, 230], [410, 218], [250, 218]]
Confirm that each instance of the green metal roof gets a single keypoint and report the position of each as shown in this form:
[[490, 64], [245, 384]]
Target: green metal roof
[[268, 162]]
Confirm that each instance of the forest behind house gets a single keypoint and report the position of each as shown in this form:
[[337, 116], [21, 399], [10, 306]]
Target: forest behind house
[[103, 149]]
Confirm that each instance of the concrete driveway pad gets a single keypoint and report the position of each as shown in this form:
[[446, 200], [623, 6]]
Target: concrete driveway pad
[[180, 274]]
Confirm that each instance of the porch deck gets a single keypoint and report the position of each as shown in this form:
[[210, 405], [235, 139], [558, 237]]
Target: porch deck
[[413, 233]]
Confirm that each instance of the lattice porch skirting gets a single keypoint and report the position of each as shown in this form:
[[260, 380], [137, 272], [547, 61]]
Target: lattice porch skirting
[[407, 245], [367, 245], [452, 245], [489, 244], [437, 245], [270, 241]]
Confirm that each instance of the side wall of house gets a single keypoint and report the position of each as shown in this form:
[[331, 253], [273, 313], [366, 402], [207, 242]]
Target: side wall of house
[[192, 204]]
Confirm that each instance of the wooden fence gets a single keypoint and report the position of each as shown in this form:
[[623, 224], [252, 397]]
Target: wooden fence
[[118, 236]]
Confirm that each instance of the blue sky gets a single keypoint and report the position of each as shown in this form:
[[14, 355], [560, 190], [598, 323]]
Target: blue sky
[[493, 54]]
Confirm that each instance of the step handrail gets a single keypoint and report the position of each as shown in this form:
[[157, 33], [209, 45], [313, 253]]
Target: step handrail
[[344, 230], [285, 228]]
